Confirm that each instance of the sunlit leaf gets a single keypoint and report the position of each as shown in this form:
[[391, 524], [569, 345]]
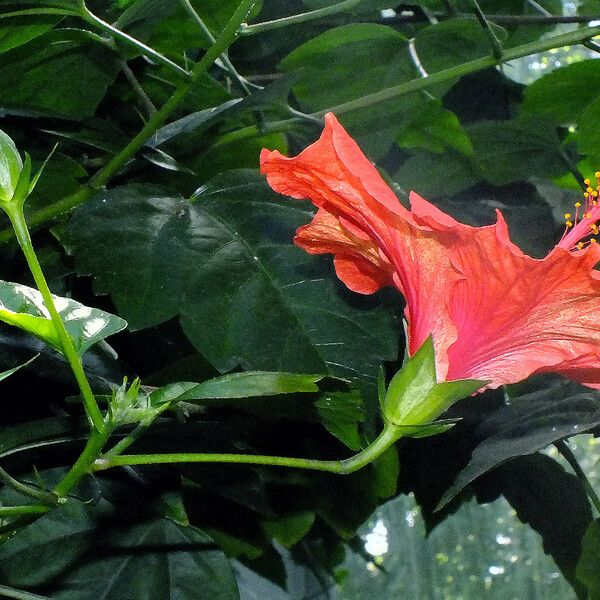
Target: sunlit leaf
[[24, 307]]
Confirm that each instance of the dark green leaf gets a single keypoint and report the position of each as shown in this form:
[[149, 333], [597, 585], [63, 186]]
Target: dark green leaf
[[433, 175], [56, 75], [39, 433], [435, 129], [528, 424], [554, 503], [192, 122], [379, 54], [517, 150], [225, 265], [290, 529], [16, 31], [588, 567], [588, 132], [24, 307], [340, 413], [77, 553]]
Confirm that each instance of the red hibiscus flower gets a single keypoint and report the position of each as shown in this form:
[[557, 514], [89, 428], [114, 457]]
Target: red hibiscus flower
[[494, 313]]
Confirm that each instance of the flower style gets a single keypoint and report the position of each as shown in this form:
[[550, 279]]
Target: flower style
[[494, 313]]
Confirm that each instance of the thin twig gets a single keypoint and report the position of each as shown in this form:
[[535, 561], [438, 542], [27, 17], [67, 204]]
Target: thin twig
[[145, 101], [499, 19], [26, 490], [494, 41], [568, 455], [210, 38]]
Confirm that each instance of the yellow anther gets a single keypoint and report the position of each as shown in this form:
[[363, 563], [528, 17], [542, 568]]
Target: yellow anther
[[592, 240], [589, 190], [569, 224], [585, 195], [597, 174], [586, 181], [567, 215], [577, 204], [580, 246], [594, 193]]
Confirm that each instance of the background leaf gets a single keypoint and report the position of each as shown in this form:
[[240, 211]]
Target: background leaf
[[150, 560], [224, 264]]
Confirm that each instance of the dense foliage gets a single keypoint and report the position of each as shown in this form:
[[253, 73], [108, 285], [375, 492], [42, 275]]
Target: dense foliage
[[151, 209]]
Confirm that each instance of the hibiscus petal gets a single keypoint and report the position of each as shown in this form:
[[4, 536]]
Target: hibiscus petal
[[494, 313], [371, 234], [517, 315], [357, 260]]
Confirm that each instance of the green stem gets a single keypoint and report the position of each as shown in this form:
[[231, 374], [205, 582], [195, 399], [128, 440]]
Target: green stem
[[210, 38], [144, 99], [300, 18], [19, 224], [388, 436], [92, 19], [568, 455], [84, 463], [26, 490], [27, 509], [565, 39], [7, 592], [159, 118], [68, 203]]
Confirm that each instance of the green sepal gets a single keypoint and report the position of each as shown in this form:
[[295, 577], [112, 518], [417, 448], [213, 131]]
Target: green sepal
[[22, 187], [427, 429], [414, 396], [37, 176]]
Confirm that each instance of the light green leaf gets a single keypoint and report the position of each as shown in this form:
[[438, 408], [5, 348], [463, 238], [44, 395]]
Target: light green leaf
[[237, 385], [564, 93], [24, 307]]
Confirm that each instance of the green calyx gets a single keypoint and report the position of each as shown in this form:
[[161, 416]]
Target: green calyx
[[415, 398]]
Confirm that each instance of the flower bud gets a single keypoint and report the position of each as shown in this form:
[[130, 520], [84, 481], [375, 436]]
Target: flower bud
[[415, 399], [11, 166]]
